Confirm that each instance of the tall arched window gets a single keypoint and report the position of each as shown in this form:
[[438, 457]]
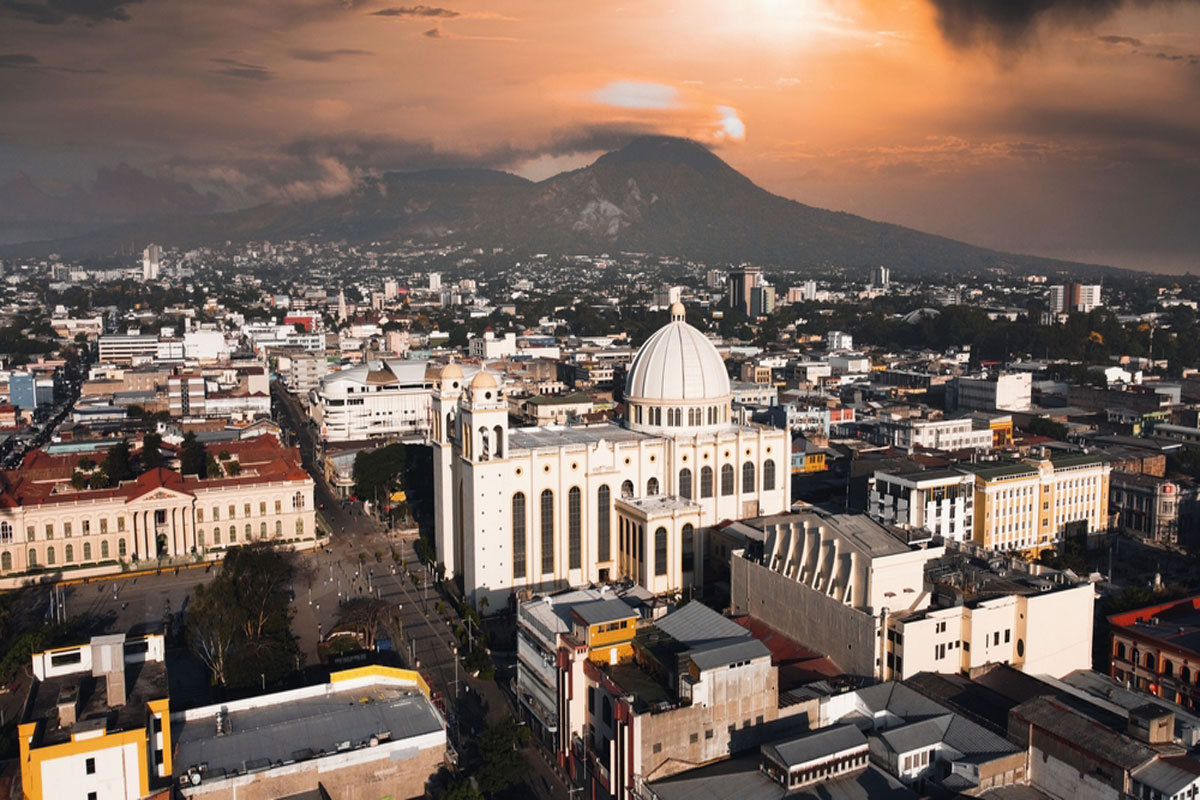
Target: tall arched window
[[726, 480], [768, 475], [32, 557], [50, 555], [6, 561], [87, 551], [216, 536], [687, 547], [249, 532], [483, 443], [604, 524], [300, 528], [5, 532], [627, 489], [104, 547], [69, 553], [547, 531], [262, 530], [748, 477], [660, 551], [518, 534], [121, 548], [652, 486], [574, 528], [278, 529], [685, 483], [706, 484], [499, 441]]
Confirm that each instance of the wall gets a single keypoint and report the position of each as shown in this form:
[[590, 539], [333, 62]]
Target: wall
[[813, 619]]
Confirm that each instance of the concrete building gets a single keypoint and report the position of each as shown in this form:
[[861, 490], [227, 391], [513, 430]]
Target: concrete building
[[959, 433], [941, 502], [126, 348], [151, 262], [186, 394], [536, 509], [1160, 510], [1154, 651], [1074, 297], [303, 372], [1030, 506], [740, 286], [762, 301], [370, 732], [1004, 392], [376, 400], [29, 391], [96, 723], [881, 277], [488, 348], [556, 409], [161, 515], [839, 340]]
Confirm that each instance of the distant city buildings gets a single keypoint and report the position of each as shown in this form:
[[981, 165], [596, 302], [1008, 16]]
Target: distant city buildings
[[740, 287], [1070, 297]]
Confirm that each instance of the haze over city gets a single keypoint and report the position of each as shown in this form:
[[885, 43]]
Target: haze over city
[[1061, 129]]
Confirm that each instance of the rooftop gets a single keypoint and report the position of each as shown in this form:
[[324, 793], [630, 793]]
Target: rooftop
[[565, 435], [739, 778], [301, 728], [144, 681], [597, 612], [1069, 725], [818, 744]]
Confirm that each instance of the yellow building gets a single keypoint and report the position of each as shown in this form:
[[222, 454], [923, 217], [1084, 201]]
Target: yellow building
[[606, 628], [1030, 505], [97, 723]]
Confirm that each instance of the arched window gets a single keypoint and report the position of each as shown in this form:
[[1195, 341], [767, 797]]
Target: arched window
[[87, 551], [249, 532], [483, 443], [216, 536], [199, 539], [726, 480], [627, 489], [297, 502], [300, 528], [1121, 650], [233, 534], [6, 561], [50, 556], [1185, 675], [687, 547], [104, 547], [768, 475], [499, 441], [32, 557], [5, 532], [685, 483], [706, 484], [1149, 656], [748, 477], [1168, 667], [278, 528], [262, 530], [121, 548], [449, 425], [547, 531], [574, 528], [69, 554], [652, 487], [604, 524], [660, 551], [518, 534]]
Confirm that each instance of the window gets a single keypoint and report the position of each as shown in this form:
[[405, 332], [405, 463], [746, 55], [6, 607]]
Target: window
[[278, 506], [50, 556], [262, 508], [627, 489], [216, 513], [248, 531], [233, 512], [768, 475], [574, 528], [300, 528], [660, 551], [547, 531], [29, 533], [652, 487], [67, 529], [706, 482], [69, 553], [87, 551], [688, 549], [518, 534], [50, 531], [6, 560], [604, 523], [262, 530], [121, 548], [278, 528], [120, 524], [748, 477], [200, 538], [246, 509], [6, 532], [32, 557], [103, 526], [232, 534], [726, 480], [87, 527], [199, 517], [216, 535], [685, 483], [89, 766]]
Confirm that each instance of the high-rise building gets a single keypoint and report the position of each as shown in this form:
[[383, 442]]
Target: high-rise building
[[716, 279], [742, 281], [762, 301], [1082, 297], [881, 277], [810, 290], [151, 261], [435, 281]]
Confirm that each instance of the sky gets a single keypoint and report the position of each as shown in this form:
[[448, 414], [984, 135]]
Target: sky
[[1065, 128]]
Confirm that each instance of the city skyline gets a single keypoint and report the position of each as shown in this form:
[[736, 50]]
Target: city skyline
[[1056, 129]]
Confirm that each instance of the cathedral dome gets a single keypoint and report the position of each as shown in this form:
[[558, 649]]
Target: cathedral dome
[[677, 369]]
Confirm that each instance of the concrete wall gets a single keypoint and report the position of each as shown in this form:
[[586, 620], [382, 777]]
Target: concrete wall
[[811, 618]]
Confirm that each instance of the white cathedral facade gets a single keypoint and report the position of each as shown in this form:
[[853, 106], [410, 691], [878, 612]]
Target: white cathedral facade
[[537, 509]]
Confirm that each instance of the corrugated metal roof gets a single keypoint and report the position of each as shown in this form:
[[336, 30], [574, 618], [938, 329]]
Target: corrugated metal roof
[[818, 744], [696, 624]]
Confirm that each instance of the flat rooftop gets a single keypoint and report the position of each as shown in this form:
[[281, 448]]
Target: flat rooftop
[[144, 681], [857, 530], [739, 778], [656, 504], [549, 436], [302, 728]]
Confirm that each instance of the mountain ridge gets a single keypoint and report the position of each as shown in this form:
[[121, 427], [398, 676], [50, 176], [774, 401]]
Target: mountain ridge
[[658, 194]]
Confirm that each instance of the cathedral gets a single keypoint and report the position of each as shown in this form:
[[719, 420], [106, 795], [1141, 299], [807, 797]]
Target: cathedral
[[523, 510]]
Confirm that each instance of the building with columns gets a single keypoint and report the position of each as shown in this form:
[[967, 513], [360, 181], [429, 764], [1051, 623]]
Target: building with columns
[[46, 523], [524, 510]]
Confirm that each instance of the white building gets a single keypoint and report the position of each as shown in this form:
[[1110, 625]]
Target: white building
[[151, 262], [941, 434], [376, 400], [538, 508], [205, 346], [489, 348], [1010, 391], [938, 501], [126, 348], [837, 340]]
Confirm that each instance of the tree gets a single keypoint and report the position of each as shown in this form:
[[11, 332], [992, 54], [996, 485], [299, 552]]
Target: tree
[[364, 617], [460, 789], [117, 463], [503, 762], [376, 471], [151, 451], [192, 456], [214, 627]]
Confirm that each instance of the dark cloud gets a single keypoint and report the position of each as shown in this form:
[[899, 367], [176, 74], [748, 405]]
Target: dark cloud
[[1129, 40], [240, 69], [417, 12], [56, 12], [17, 61], [322, 56], [1010, 23], [433, 33]]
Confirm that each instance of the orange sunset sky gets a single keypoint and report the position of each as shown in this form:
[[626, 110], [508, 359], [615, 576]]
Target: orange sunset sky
[[1068, 129]]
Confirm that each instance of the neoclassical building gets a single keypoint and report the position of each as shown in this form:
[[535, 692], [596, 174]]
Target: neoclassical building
[[46, 524], [534, 509]]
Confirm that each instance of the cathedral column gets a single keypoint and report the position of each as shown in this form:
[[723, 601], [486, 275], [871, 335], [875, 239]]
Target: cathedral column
[[137, 542]]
